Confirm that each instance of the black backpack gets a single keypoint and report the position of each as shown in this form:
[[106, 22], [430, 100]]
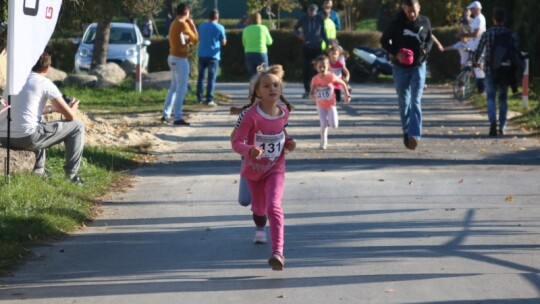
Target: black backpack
[[507, 62]]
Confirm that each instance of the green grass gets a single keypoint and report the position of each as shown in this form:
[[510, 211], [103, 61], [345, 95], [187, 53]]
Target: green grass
[[124, 99], [34, 210], [529, 118]]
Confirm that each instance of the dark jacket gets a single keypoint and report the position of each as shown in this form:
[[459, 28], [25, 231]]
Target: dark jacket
[[313, 31], [402, 33]]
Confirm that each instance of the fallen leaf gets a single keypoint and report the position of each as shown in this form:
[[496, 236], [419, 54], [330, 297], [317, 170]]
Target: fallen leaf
[[460, 181], [509, 198], [381, 180], [482, 150], [522, 148], [461, 129], [389, 290], [235, 182], [411, 182], [450, 132]]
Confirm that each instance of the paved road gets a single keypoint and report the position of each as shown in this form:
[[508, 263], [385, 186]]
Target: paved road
[[367, 221]]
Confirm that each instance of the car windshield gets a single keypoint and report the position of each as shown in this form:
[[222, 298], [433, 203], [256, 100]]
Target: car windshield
[[118, 35]]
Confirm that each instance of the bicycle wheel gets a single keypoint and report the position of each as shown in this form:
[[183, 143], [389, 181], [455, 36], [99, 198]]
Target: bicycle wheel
[[465, 84]]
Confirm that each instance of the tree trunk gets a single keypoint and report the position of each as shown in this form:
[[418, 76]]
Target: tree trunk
[[101, 43]]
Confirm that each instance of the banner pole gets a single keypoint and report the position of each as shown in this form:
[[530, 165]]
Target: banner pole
[[8, 143]]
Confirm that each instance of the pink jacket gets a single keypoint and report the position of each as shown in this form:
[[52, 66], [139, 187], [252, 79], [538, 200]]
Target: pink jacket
[[266, 132]]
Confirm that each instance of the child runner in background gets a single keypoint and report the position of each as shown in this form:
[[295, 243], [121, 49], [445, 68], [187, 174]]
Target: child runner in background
[[261, 140], [339, 69], [322, 90]]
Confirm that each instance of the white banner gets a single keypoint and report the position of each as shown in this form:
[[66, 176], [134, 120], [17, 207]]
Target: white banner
[[30, 26]]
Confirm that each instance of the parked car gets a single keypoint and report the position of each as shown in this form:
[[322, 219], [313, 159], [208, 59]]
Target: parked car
[[123, 41]]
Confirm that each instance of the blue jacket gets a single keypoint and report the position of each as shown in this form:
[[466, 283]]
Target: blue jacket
[[312, 29], [334, 16]]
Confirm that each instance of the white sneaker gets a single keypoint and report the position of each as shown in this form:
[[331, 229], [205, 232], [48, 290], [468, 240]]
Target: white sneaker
[[322, 147], [260, 237], [212, 104]]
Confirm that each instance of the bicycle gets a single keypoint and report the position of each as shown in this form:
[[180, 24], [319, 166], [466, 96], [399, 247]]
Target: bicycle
[[464, 85]]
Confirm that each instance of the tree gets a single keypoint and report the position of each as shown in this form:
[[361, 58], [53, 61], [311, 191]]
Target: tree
[[144, 8], [272, 5]]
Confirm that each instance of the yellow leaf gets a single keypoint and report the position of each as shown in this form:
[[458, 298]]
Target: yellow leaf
[[522, 148], [509, 198]]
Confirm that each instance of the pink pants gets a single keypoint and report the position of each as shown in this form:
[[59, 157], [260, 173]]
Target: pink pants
[[266, 196]]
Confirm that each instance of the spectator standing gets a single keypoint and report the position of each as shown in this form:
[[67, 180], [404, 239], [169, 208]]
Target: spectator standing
[[330, 28], [478, 27], [408, 39], [255, 38], [211, 38], [312, 34], [334, 16], [29, 132], [182, 34], [496, 84]]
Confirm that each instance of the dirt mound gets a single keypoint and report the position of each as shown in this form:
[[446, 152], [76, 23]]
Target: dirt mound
[[100, 131]]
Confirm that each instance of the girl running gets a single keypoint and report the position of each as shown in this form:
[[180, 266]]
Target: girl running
[[322, 90], [338, 67], [261, 140]]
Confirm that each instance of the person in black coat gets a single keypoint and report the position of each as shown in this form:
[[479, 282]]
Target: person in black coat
[[408, 39]]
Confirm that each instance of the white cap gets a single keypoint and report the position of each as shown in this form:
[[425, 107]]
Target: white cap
[[475, 4]]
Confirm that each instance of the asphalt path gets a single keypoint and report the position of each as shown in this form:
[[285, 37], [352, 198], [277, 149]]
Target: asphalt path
[[367, 221]]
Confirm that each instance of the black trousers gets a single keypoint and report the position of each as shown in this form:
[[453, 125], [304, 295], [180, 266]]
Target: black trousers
[[309, 71]]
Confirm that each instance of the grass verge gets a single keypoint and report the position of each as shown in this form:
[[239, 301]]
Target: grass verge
[[34, 210], [529, 118]]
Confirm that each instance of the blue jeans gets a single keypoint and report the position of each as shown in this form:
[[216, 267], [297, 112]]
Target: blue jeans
[[492, 90], [253, 60], [179, 85], [212, 65], [409, 83]]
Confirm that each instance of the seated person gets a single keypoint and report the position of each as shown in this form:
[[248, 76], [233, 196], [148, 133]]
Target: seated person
[[29, 132]]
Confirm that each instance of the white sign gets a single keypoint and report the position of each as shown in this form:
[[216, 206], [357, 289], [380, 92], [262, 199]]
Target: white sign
[[30, 26]]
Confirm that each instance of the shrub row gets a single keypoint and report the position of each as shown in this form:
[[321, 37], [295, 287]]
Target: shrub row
[[286, 50]]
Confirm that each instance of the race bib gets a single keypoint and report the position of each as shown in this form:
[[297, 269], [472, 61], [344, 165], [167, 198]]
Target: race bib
[[272, 145], [323, 93]]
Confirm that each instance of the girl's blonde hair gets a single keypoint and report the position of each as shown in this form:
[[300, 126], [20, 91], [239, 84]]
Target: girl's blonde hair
[[263, 70]]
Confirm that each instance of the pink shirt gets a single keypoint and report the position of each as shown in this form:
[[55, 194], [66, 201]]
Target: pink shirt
[[267, 132], [337, 69], [323, 88]]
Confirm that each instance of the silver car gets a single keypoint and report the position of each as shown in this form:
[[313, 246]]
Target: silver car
[[123, 41]]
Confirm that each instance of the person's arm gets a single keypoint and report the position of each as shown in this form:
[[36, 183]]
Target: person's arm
[[312, 89], [238, 144], [324, 36], [297, 27], [437, 43], [269, 40], [223, 36], [345, 88], [59, 105], [346, 73], [191, 32], [336, 20], [479, 50], [386, 37]]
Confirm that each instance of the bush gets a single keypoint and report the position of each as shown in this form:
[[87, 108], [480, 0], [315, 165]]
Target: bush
[[444, 66]]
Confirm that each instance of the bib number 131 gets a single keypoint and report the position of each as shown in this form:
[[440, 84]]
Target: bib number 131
[[272, 145]]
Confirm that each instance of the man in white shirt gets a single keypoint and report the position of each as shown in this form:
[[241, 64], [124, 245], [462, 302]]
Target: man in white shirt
[[28, 132], [478, 28]]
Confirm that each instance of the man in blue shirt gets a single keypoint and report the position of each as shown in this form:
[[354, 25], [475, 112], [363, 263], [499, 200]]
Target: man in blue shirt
[[211, 38], [334, 16]]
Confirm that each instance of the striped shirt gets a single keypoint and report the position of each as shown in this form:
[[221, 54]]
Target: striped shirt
[[487, 43]]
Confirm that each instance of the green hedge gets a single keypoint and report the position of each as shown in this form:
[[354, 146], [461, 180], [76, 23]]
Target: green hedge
[[286, 50]]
